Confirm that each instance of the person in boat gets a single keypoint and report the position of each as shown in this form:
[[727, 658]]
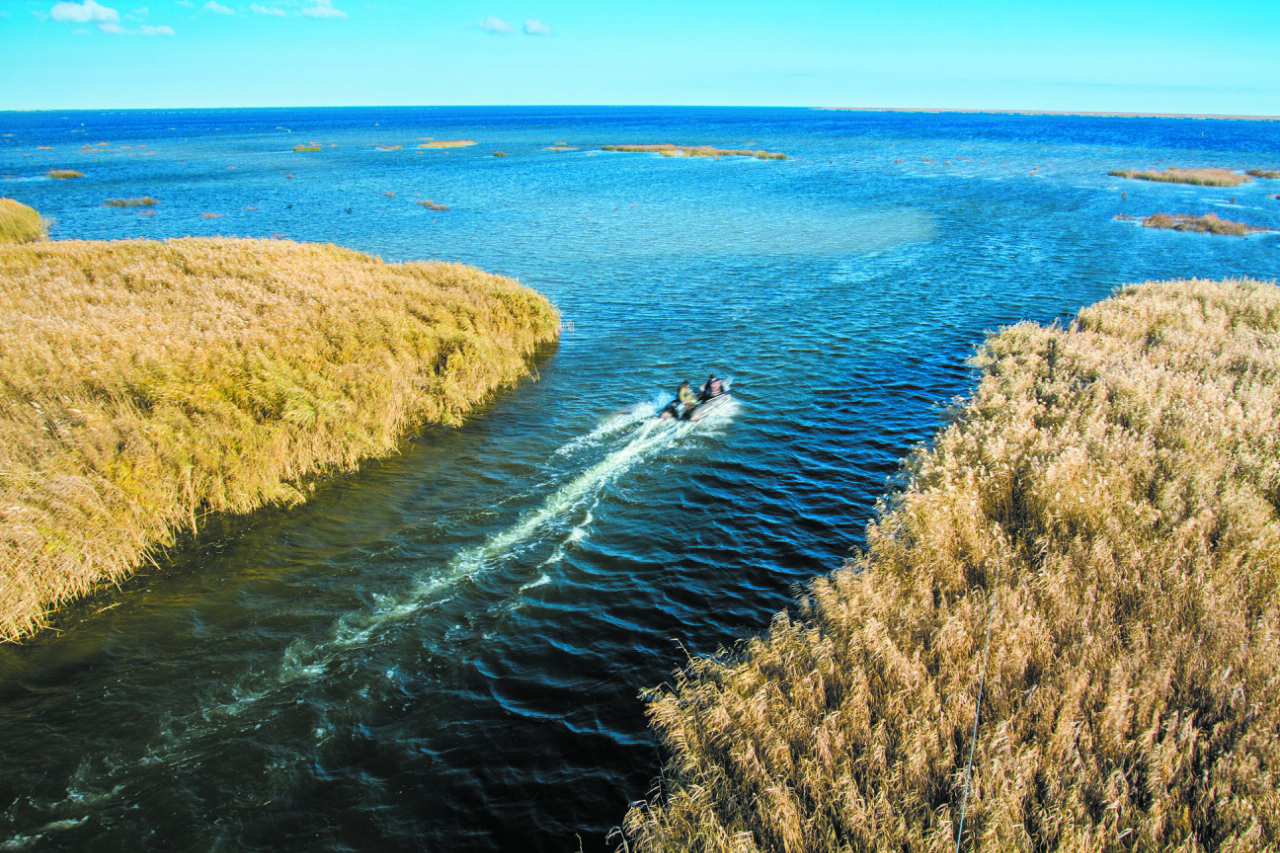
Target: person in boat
[[713, 388], [684, 401]]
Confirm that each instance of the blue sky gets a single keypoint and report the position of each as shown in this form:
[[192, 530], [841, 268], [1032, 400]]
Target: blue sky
[[1175, 56]]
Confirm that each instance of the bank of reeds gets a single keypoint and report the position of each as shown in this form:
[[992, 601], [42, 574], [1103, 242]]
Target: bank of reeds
[[64, 174], [19, 223], [668, 150], [1096, 534], [145, 384], [1266, 174], [1209, 223], [145, 201], [1196, 177]]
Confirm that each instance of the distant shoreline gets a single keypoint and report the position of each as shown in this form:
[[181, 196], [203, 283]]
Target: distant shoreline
[[1049, 113]]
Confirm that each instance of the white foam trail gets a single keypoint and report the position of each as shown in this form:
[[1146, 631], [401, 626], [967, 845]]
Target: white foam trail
[[612, 425], [309, 660], [303, 661]]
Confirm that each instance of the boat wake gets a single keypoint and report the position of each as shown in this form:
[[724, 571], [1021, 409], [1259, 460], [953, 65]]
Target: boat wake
[[358, 658], [540, 537]]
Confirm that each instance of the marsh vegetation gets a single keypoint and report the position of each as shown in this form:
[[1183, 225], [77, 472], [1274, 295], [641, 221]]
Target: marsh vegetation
[[667, 150], [144, 385], [19, 223], [1209, 223], [1195, 177], [1079, 587], [145, 201]]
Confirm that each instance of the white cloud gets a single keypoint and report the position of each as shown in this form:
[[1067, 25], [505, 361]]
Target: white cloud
[[266, 10], [83, 13], [323, 9], [217, 8], [156, 31], [497, 26], [536, 28]]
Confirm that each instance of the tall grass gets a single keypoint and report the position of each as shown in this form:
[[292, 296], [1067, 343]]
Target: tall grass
[[1106, 506], [1206, 224], [19, 223], [144, 384], [1196, 177], [145, 201], [668, 150]]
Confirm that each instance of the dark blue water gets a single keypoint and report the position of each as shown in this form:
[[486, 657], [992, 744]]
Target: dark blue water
[[444, 651]]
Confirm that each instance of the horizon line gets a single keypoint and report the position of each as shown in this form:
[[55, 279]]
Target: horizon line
[[918, 110]]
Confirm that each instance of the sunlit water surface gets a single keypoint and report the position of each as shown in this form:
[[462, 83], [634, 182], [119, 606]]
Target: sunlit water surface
[[445, 650]]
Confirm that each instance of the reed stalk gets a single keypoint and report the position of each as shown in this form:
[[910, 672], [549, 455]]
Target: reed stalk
[[144, 385], [1105, 505]]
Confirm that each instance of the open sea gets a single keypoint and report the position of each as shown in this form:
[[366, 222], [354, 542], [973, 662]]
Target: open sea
[[446, 650]]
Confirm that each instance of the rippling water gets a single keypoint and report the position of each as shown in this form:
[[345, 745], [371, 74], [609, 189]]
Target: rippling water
[[445, 650]]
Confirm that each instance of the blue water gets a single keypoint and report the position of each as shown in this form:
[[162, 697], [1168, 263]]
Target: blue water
[[444, 651]]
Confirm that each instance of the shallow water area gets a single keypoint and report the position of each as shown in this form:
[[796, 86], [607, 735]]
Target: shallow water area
[[445, 650]]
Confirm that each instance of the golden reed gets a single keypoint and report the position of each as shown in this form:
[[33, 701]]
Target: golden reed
[[145, 384], [1106, 507]]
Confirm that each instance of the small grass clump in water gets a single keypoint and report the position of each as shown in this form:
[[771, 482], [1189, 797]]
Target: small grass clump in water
[[668, 150], [1265, 174], [1196, 177], [64, 174], [1086, 562], [145, 201], [145, 384], [19, 223], [1207, 224]]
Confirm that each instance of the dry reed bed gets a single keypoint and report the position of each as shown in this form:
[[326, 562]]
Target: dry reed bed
[[19, 223], [668, 150], [1195, 177], [1209, 223], [1107, 504], [144, 384]]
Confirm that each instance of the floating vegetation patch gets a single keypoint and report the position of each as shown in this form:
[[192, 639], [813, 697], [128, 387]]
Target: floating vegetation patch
[[447, 143], [1207, 224], [64, 174], [667, 150], [431, 205], [306, 148], [145, 201], [1195, 177], [1265, 174]]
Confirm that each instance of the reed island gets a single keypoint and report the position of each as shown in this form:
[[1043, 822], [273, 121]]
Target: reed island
[[1063, 633], [144, 385]]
